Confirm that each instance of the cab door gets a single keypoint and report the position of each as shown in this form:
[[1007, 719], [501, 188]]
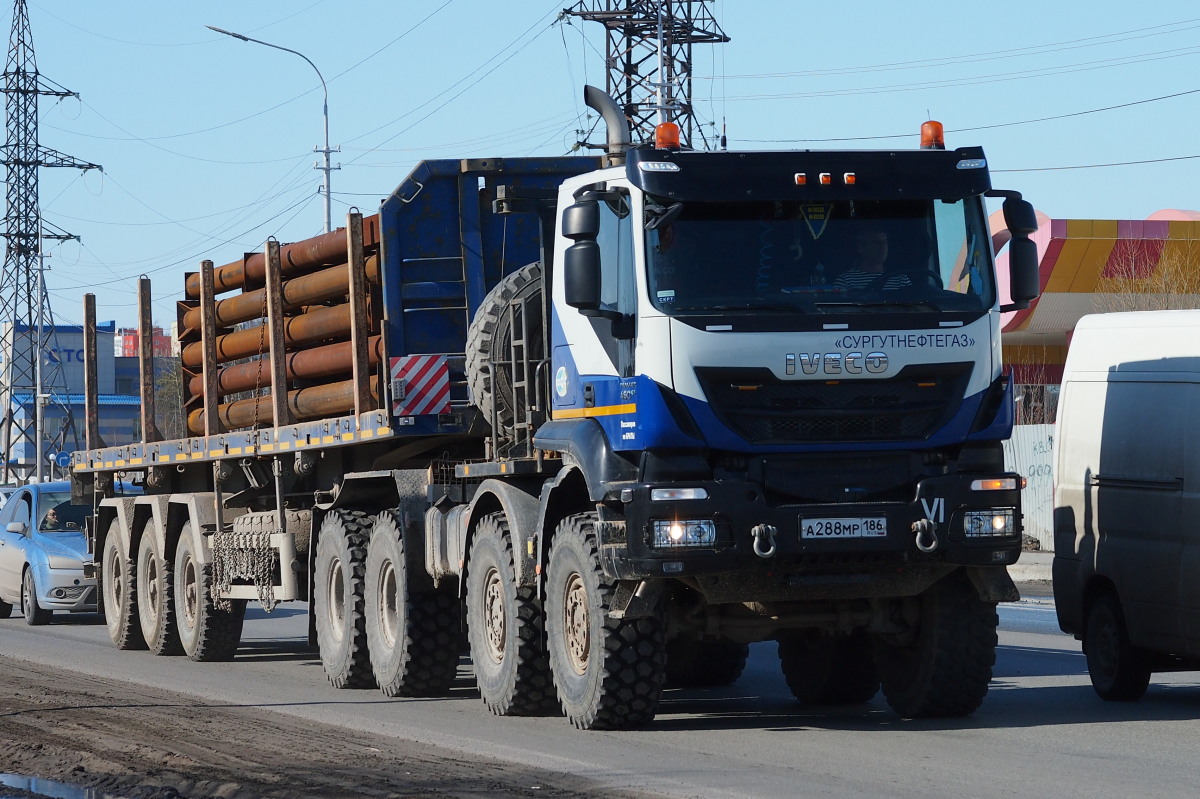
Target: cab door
[[12, 544]]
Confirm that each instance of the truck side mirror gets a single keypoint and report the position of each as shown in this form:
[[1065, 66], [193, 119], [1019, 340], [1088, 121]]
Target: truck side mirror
[[581, 275], [1024, 281], [1020, 217], [581, 220]]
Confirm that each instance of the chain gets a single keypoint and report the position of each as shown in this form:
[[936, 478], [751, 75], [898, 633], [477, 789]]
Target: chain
[[244, 556]]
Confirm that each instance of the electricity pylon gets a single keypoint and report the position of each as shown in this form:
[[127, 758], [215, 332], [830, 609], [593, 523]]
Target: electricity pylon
[[648, 53], [28, 367]]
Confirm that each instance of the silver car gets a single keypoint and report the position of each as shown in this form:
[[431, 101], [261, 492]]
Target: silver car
[[44, 561]]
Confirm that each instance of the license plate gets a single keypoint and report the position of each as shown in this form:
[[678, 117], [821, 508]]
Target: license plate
[[862, 527]]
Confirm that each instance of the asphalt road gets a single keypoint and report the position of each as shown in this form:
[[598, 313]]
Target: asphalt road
[[1041, 730]]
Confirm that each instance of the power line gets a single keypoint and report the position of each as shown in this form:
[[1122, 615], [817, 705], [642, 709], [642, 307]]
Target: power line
[[987, 127], [1100, 166]]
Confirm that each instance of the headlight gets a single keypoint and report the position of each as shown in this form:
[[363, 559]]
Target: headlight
[[685, 533], [995, 523]]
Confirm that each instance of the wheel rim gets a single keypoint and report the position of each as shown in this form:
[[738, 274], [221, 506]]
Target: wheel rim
[[113, 579], [577, 623], [27, 598], [494, 622], [150, 583], [389, 604], [335, 587], [190, 594]]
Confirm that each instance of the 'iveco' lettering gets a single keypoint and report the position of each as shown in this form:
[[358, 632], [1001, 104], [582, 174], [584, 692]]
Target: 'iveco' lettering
[[835, 363], [904, 340]]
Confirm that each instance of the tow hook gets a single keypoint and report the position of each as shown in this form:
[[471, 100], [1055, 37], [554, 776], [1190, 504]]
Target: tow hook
[[761, 533], [927, 540]]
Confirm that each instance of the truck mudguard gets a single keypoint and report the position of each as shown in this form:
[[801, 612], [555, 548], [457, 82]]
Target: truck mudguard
[[584, 444]]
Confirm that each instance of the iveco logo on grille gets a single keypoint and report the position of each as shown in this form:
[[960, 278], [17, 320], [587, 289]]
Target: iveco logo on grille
[[836, 363]]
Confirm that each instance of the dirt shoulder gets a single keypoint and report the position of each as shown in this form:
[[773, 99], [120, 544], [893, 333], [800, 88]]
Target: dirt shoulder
[[128, 740]]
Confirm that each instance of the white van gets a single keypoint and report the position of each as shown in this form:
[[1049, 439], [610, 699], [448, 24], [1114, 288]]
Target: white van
[[1126, 510]]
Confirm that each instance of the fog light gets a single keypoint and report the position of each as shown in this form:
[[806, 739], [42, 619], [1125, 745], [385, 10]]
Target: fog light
[[58, 593], [997, 523], [685, 533]]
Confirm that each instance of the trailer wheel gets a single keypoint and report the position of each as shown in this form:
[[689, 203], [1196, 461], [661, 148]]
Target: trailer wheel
[[117, 581], [412, 628], [609, 672], [828, 669], [1120, 671], [942, 667], [338, 599], [490, 336], [206, 633], [505, 628], [156, 596], [694, 662]]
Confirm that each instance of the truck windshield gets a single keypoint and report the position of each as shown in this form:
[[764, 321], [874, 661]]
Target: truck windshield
[[812, 257]]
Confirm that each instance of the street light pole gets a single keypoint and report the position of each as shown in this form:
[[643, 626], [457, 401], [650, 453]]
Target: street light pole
[[325, 109]]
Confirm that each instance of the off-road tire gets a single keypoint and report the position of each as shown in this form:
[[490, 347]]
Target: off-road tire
[[694, 662], [608, 673], [35, 614], [412, 628], [943, 668], [1120, 672], [505, 627], [338, 599], [206, 633], [490, 336], [825, 669], [118, 594], [156, 596]]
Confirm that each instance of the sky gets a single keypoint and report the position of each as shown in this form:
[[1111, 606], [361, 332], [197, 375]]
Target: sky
[[209, 144]]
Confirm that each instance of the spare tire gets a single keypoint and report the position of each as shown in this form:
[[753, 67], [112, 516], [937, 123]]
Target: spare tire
[[490, 337]]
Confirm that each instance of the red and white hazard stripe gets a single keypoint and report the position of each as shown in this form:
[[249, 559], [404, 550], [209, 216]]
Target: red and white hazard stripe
[[420, 385]]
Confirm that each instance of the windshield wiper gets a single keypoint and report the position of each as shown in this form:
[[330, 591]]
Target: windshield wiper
[[743, 306], [879, 304]]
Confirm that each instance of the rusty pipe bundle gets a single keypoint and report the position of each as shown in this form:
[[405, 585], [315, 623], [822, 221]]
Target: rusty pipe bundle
[[328, 284], [333, 399], [296, 258], [317, 325], [310, 364]]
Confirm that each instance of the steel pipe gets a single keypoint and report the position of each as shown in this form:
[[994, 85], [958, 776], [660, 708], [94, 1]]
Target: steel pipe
[[318, 402], [309, 364], [328, 284], [296, 258], [322, 324]]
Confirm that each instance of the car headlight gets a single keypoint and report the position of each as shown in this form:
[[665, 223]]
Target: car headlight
[[685, 533], [994, 523]]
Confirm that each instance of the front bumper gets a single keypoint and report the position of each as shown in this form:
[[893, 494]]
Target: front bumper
[[65, 589], [835, 565]]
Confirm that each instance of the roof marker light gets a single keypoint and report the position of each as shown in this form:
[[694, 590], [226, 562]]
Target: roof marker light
[[801, 179], [849, 178], [826, 178], [658, 166]]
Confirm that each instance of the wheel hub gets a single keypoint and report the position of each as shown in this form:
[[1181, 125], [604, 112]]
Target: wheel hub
[[335, 587], [389, 604], [494, 621], [577, 624], [190, 594]]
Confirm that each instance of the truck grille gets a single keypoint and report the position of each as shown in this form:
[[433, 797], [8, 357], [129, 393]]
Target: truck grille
[[765, 410]]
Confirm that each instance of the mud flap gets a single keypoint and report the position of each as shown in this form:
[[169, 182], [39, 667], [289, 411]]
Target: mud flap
[[993, 584]]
